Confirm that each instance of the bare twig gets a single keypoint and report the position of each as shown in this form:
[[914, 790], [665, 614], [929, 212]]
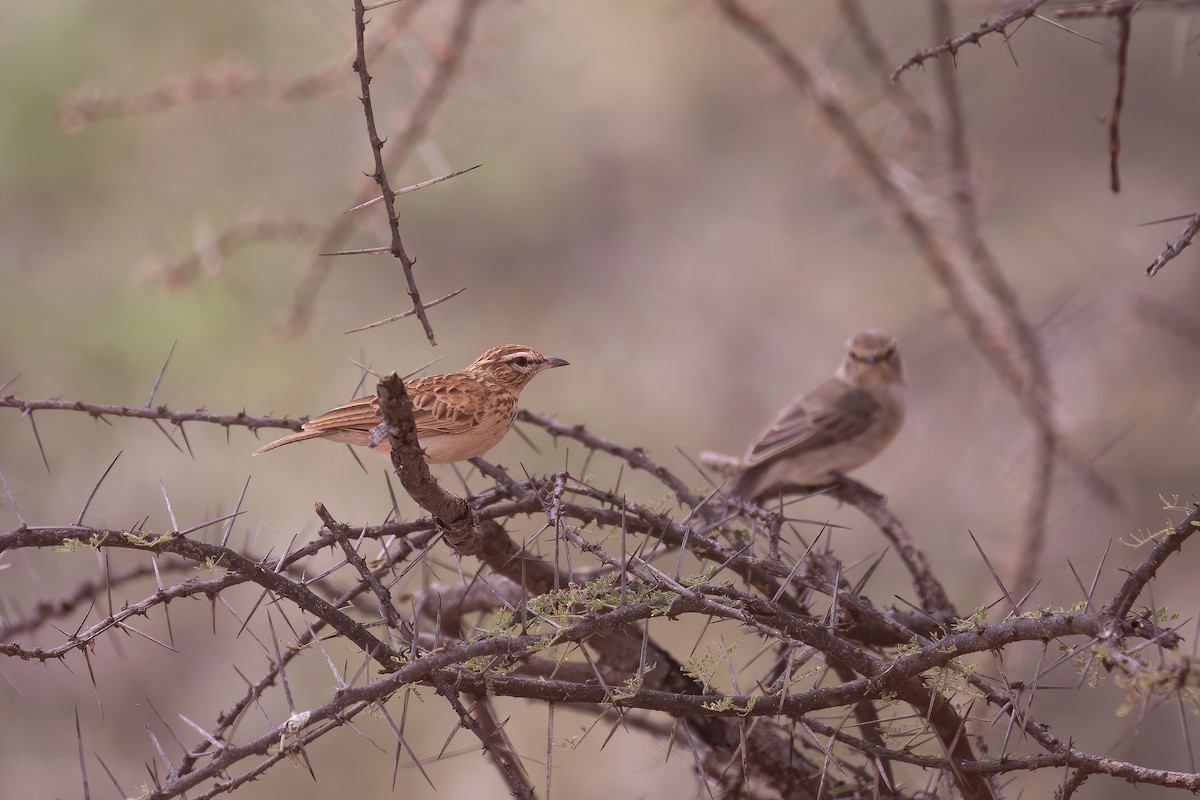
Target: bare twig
[[1175, 247], [877, 59], [380, 174], [433, 94], [953, 45]]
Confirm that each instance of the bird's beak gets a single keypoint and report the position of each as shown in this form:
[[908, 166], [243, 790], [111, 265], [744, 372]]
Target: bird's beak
[[555, 362]]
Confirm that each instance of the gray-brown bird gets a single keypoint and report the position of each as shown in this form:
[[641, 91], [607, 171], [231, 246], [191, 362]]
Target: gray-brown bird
[[459, 415], [839, 426]]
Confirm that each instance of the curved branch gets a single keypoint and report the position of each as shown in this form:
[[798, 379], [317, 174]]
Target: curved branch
[[952, 46], [933, 595], [1167, 546]]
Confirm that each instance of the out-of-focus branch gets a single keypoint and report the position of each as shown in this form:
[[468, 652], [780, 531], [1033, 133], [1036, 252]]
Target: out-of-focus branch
[[1183, 324], [447, 603], [1037, 510], [1116, 8], [220, 81], [809, 79], [977, 291], [230, 81], [1124, 34], [251, 229], [878, 61], [1035, 387]]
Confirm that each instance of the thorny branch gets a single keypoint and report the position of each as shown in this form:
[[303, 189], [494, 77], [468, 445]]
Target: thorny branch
[[1169, 543], [588, 644], [1175, 247], [520, 624], [380, 174], [177, 418], [953, 45], [1120, 10], [420, 117]]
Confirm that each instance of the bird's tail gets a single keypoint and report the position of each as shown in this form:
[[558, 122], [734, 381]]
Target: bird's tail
[[746, 486], [740, 480], [295, 437], [724, 465]]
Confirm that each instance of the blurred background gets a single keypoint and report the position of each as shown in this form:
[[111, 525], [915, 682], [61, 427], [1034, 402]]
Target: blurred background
[[656, 205]]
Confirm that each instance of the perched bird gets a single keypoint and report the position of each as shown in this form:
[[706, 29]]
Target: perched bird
[[459, 415], [837, 427]]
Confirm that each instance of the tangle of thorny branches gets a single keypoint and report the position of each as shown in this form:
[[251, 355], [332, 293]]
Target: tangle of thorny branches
[[577, 628]]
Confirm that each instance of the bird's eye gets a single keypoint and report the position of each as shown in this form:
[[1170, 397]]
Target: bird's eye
[[521, 361], [872, 356]]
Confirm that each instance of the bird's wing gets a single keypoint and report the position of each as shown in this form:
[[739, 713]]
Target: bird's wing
[[453, 409], [830, 414], [448, 411], [357, 415], [443, 413]]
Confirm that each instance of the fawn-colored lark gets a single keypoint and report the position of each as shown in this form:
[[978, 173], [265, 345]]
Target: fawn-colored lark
[[839, 426], [459, 415]]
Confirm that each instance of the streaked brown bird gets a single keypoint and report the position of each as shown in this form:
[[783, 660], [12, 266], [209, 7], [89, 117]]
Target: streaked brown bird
[[839, 426], [458, 415]]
